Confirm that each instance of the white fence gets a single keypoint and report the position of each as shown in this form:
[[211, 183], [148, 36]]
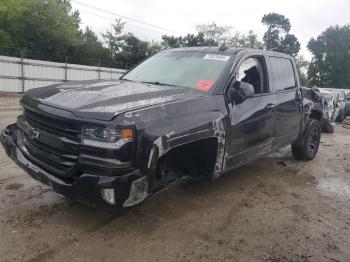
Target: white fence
[[20, 75]]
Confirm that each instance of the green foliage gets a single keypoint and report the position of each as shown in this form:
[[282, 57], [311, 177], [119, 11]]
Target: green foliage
[[91, 51], [303, 79], [186, 41], [126, 47], [218, 34], [277, 37], [113, 37], [330, 65], [302, 65], [247, 41], [212, 35], [10, 13], [45, 29], [277, 22], [41, 26]]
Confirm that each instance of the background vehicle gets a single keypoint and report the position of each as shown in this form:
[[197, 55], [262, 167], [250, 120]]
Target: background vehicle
[[340, 96], [322, 107], [332, 105], [347, 104], [190, 112], [347, 100]]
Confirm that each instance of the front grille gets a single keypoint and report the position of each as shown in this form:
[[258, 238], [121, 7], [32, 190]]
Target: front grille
[[56, 149], [53, 125]]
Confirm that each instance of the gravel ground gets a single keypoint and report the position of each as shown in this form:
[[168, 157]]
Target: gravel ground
[[275, 209]]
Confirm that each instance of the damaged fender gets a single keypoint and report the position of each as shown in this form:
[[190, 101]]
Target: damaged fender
[[168, 127]]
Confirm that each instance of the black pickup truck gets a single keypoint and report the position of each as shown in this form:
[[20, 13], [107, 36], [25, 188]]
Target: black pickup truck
[[187, 112]]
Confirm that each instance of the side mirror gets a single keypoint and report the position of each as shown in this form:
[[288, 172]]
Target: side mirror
[[240, 91]]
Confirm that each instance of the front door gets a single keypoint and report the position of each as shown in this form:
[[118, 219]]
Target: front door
[[251, 123]]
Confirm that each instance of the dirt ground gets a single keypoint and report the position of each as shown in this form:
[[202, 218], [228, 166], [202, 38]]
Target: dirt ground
[[275, 209]]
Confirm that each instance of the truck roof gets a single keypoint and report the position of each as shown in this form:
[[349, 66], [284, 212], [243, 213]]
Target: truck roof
[[227, 50]]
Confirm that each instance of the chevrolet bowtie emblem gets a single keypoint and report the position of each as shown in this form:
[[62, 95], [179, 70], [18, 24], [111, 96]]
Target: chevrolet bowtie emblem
[[33, 133]]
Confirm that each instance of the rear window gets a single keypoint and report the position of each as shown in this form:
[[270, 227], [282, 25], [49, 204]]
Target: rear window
[[283, 72]]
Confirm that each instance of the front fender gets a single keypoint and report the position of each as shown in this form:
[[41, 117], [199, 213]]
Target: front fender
[[163, 128]]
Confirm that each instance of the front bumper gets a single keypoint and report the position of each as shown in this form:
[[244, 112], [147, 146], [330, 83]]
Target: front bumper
[[129, 189]]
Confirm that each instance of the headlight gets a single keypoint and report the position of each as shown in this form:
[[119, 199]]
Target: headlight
[[106, 137]]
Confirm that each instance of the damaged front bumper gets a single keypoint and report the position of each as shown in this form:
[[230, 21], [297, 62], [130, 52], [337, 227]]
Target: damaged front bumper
[[122, 190]]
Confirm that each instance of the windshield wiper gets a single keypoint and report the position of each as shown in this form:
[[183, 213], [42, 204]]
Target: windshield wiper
[[126, 79], [158, 83]]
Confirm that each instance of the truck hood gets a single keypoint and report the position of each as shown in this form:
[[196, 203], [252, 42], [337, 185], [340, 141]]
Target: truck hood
[[103, 100]]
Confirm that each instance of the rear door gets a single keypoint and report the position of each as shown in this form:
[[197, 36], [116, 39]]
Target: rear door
[[288, 99]]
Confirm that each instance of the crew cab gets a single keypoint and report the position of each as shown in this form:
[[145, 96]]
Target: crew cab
[[189, 112]]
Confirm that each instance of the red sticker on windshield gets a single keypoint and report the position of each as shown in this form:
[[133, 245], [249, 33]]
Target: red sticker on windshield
[[204, 85]]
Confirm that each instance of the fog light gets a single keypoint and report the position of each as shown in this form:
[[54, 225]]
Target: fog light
[[108, 195]]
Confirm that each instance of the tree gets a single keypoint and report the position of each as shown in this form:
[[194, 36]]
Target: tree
[[112, 37], [212, 35], [220, 34], [126, 47], [41, 26], [186, 41], [248, 41], [277, 37], [91, 51], [49, 30], [223, 34], [330, 65], [10, 13], [302, 66]]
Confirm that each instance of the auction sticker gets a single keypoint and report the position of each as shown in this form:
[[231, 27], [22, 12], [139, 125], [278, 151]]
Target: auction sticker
[[216, 57], [204, 85]]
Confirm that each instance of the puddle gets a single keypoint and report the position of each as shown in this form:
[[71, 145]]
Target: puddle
[[14, 186], [335, 186]]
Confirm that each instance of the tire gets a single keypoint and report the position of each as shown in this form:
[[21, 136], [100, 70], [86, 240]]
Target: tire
[[341, 116], [306, 146], [327, 127]]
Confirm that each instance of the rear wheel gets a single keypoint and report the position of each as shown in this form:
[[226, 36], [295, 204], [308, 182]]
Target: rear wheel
[[341, 116], [327, 127], [306, 146]]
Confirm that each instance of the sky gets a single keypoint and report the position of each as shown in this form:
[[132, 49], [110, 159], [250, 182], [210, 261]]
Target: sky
[[308, 17]]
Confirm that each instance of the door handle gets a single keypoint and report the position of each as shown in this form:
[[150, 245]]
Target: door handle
[[270, 107]]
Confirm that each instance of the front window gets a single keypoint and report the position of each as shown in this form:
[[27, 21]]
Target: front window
[[252, 72], [181, 69]]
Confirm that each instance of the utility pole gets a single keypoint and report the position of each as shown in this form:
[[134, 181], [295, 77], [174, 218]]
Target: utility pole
[[99, 69], [22, 71], [66, 70]]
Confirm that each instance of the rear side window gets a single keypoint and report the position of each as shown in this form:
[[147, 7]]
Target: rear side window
[[283, 73]]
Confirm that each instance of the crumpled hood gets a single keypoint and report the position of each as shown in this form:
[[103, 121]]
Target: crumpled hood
[[103, 100]]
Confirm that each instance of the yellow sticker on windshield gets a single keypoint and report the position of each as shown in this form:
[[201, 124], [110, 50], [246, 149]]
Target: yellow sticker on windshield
[[216, 57]]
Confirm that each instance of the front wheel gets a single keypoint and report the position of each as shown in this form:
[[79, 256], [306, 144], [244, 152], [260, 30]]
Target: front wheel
[[306, 146]]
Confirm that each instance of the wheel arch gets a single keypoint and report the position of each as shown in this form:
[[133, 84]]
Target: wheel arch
[[196, 158], [316, 114]]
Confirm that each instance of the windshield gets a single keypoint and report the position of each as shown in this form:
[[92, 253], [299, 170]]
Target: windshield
[[183, 69]]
